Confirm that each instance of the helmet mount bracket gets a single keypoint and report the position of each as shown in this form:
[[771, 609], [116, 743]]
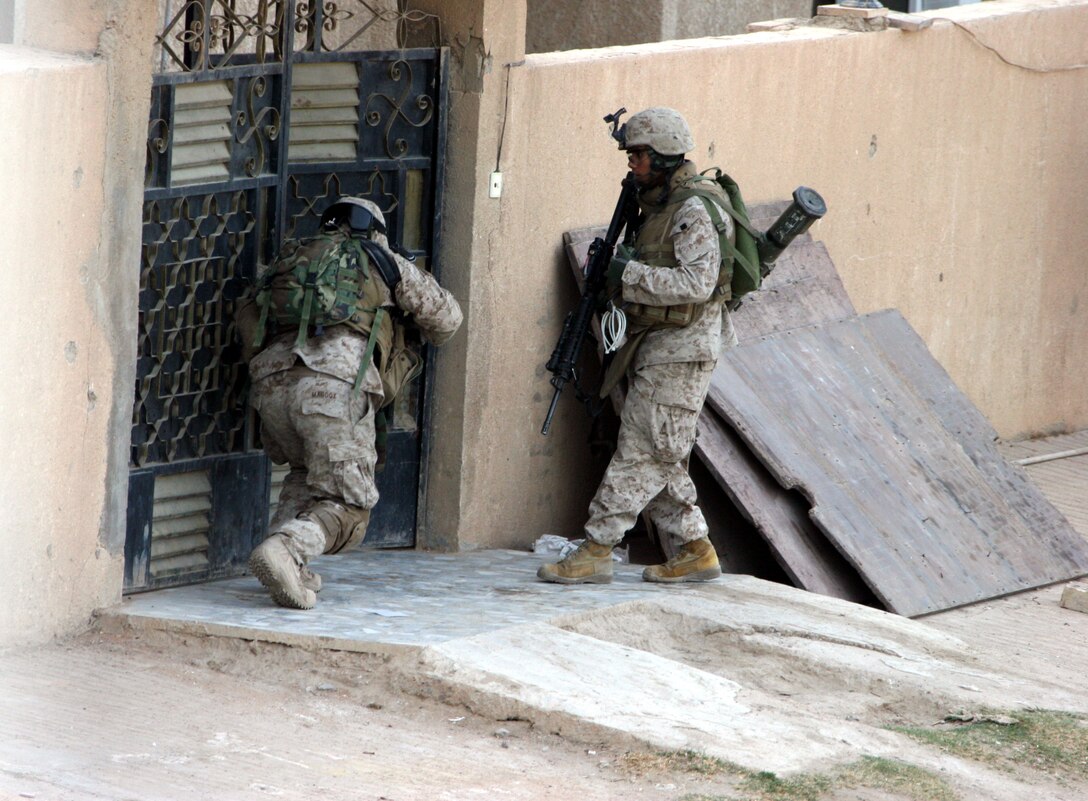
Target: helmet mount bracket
[[618, 131]]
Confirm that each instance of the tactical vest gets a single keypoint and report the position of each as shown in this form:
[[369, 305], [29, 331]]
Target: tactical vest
[[654, 247], [329, 280]]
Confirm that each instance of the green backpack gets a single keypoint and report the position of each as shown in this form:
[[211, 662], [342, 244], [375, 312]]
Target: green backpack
[[312, 283], [332, 279], [742, 256]]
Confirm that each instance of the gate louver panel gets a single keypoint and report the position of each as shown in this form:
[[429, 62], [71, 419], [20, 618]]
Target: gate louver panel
[[202, 116], [324, 113], [180, 523]]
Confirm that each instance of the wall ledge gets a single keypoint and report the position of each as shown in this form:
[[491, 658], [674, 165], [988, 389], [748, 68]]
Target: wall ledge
[[16, 58], [797, 29]]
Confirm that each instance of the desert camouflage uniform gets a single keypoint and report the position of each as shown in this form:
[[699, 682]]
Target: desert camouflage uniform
[[668, 378], [313, 420]]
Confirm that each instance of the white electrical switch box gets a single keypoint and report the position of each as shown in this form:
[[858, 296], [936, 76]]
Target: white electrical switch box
[[494, 189]]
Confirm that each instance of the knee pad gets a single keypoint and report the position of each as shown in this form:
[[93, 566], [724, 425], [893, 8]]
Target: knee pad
[[344, 526]]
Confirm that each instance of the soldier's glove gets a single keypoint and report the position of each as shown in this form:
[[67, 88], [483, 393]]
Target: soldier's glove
[[614, 276]]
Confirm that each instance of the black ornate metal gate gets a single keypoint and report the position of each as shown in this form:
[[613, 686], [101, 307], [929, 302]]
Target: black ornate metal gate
[[262, 113]]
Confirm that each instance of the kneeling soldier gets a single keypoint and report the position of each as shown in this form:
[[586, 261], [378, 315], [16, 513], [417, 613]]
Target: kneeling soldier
[[335, 355]]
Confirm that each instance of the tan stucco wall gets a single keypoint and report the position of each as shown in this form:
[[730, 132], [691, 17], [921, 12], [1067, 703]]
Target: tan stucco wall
[[955, 186], [55, 358], [74, 130]]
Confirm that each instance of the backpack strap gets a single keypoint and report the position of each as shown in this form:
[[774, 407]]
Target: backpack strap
[[262, 323], [307, 305], [729, 252], [730, 187], [387, 266], [390, 273], [745, 251], [728, 249], [371, 343]]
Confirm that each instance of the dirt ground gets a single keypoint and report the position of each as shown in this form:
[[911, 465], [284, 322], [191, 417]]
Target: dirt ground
[[156, 716], [148, 716]]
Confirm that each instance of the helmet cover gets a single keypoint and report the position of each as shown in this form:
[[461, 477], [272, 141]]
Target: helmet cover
[[661, 129], [354, 210]]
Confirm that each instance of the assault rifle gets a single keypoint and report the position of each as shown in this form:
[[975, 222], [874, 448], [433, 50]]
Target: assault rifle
[[563, 362]]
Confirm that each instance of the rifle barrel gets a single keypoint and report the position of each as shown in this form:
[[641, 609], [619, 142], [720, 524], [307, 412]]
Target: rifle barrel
[[551, 411]]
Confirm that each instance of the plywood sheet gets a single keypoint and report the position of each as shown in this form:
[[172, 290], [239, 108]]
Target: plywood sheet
[[901, 471], [781, 517], [803, 289]]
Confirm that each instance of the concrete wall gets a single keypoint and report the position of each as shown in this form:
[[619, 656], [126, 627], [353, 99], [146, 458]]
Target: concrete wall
[[578, 24], [74, 90], [954, 181]]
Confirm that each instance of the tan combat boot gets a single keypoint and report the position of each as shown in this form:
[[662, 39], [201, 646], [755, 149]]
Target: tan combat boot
[[590, 563], [695, 561], [277, 569], [310, 580]]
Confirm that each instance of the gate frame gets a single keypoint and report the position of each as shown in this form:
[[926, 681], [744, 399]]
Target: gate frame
[[265, 238]]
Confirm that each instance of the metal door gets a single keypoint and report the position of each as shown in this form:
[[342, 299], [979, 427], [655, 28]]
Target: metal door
[[262, 113]]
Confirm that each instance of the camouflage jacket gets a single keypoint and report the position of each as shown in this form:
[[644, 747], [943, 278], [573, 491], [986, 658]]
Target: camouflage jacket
[[692, 280]]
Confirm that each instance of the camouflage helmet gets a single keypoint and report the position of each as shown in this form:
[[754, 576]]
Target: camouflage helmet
[[360, 214], [661, 129]]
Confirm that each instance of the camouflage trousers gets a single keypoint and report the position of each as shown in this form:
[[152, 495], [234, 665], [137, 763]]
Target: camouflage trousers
[[649, 468], [316, 424]]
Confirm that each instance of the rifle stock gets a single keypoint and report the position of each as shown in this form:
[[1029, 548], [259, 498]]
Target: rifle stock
[[564, 358]]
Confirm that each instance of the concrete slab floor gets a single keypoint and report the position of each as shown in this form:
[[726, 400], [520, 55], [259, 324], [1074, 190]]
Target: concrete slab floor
[[389, 600], [720, 668]]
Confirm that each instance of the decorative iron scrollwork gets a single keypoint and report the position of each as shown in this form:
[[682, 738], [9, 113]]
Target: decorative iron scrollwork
[[307, 205], [189, 375], [320, 17], [189, 39], [207, 34], [258, 87], [376, 190], [407, 18], [158, 143], [309, 196], [397, 147], [232, 31]]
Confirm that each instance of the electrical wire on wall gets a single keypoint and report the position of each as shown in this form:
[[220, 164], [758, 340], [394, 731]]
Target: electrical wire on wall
[[505, 112]]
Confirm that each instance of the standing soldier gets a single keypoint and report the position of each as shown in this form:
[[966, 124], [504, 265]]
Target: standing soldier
[[674, 285], [318, 385]]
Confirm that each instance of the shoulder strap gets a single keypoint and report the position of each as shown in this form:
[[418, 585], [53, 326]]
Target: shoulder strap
[[371, 343], [307, 304], [386, 264], [728, 249], [264, 303], [730, 187]]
